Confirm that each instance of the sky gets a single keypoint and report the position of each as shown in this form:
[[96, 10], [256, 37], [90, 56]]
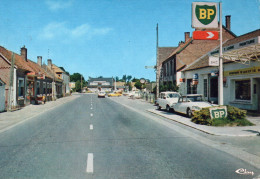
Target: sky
[[107, 37]]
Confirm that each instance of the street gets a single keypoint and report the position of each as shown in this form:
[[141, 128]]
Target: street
[[92, 137]]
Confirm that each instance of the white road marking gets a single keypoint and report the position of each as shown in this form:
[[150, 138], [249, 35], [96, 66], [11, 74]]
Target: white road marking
[[90, 166], [91, 127], [91, 114]]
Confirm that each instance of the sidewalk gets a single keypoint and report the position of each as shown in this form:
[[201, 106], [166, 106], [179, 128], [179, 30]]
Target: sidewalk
[[11, 119], [140, 104]]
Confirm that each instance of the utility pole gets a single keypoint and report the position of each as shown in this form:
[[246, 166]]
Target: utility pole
[[157, 65], [81, 83], [220, 95], [10, 94]]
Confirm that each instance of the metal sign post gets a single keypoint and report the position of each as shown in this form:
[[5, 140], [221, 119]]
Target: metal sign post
[[220, 94]]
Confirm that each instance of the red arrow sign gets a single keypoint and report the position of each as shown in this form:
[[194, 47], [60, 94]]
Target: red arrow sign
[[205, 35]]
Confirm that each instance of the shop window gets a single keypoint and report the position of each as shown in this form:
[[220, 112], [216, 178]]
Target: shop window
[[205, 82], [243, 90], [191, 89], [20, 87]]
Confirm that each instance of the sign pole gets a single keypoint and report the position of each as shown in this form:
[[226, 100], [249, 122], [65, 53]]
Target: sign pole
[[220, 95]]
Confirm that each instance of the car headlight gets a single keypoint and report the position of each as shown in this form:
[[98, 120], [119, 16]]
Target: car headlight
[[196, 108]]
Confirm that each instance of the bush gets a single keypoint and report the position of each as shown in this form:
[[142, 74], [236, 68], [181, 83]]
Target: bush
[[235, 117]]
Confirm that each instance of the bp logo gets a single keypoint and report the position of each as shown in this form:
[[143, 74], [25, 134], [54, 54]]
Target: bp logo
[[205, 14], [218, 112]]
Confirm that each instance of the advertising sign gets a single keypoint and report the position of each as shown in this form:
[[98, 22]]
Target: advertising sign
[[218, 112], [204, 15], [213, 61], [205, 35]]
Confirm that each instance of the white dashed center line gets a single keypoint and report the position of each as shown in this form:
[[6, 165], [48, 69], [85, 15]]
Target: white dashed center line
[[90, 167], [91, 127], [91, 114]]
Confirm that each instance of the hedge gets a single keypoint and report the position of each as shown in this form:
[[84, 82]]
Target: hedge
[[235, 117]]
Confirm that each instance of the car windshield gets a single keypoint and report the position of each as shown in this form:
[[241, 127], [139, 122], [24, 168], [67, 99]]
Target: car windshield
[[195, 98], [172, 95]]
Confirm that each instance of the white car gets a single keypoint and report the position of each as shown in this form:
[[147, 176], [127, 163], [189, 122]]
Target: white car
[[167, 100], [101, 94], [190, 103]]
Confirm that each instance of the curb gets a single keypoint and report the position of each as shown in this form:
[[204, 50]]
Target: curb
[[204, 131]]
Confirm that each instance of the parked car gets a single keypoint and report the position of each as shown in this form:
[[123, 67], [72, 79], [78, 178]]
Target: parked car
[[101, 94], [114, 94], [190, 103], [167, 100], [135, 95]]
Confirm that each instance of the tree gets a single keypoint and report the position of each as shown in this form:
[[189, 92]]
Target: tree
[[138, 85], [117, 78], [76, 77], [129, 77], [124, 78], [78, 86], [134, 79]]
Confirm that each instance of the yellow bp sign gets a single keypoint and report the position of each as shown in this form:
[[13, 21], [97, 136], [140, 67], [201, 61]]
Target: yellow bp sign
[[204, 15]]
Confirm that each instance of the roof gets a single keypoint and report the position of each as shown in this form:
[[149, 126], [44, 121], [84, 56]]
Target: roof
[[101, 79], [164, 52], [19, 61], [190, 50], [203, 61]]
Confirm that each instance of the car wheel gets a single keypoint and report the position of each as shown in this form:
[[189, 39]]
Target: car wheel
[[158, 107], [168, 108], [189, 113]]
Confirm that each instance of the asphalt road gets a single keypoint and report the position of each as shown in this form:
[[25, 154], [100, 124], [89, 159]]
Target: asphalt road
[[92, 137]]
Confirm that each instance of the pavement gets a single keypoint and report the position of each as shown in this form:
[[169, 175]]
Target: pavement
[[219, 131], [11, 119]]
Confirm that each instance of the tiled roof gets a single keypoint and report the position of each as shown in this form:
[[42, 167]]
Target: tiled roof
[[243, 37], [19, 61], [39, 71], [164, 52], [204, 60]]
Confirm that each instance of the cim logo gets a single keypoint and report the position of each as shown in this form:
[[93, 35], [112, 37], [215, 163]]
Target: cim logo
[[218, 112], [205, 14]]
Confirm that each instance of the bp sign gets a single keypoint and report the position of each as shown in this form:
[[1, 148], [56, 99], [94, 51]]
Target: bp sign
[[204, 15], [218, 112]]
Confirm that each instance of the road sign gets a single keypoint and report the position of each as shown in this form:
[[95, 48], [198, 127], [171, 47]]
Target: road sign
[[204, 15], [213, 61], [218, 112], [205, 35]]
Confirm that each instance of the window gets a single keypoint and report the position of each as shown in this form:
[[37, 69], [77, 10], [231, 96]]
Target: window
[[44, 87], [191, 89], [38, 88], [205, 87], [243, 90], [20, 87]]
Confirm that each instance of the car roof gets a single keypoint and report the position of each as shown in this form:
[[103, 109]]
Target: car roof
[[169, 92]]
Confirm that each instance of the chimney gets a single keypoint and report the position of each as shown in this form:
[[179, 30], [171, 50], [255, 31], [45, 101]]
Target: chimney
[[24, 53], [39, 60], [228, 25], [187, 36], [49, 63]]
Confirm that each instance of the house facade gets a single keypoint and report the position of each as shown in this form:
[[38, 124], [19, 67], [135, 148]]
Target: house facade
[[241, 71], [104, 84], [26, 82]]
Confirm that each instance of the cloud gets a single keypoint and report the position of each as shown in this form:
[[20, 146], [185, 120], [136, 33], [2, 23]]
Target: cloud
[[56, 30], [56, 5]]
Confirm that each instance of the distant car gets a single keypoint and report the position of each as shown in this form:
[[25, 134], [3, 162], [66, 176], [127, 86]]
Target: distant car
[[114, 95], [135, 95], [190, 103], [101, 94], [167, 100]]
